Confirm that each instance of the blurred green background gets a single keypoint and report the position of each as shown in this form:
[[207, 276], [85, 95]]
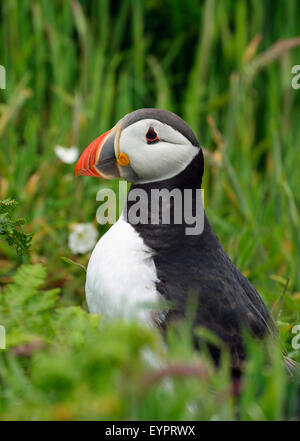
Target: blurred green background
[[74, 68]]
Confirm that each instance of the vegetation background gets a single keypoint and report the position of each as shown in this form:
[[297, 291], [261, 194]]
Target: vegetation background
[[73, 68]]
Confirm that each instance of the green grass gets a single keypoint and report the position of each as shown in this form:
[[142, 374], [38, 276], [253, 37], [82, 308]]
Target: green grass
[[72, 70]]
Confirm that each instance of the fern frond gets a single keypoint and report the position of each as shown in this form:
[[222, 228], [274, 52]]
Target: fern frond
[[10, 227], [25, 310], [30, 276]]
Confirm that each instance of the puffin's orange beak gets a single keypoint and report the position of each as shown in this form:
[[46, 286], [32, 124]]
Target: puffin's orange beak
[[99, 158]]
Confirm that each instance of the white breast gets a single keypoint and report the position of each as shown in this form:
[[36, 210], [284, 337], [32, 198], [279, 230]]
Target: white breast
[[121, 275]]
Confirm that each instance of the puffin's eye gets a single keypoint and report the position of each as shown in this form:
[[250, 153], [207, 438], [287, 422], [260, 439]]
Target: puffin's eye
[[151, 136]]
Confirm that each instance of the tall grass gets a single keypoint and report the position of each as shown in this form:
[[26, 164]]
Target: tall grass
[[73, 68]]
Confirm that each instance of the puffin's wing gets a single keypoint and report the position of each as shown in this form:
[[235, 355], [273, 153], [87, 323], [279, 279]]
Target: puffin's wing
[[225, 302]]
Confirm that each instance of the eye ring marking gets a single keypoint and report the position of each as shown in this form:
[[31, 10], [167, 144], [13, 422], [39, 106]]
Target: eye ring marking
[[151, 136]]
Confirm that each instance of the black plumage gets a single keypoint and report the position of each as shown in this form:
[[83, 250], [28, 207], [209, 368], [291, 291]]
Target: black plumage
[[196, 268]]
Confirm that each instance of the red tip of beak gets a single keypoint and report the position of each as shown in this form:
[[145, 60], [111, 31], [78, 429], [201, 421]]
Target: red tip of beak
[[86, 165]]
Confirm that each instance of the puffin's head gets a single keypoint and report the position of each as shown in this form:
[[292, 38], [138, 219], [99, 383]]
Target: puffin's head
[[147, 145]]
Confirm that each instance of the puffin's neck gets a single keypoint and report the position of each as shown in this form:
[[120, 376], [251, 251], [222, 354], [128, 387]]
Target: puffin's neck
[[141, 197]]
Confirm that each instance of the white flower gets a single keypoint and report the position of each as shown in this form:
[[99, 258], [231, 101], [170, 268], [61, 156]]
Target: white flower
[[82, 238], [68, 155]]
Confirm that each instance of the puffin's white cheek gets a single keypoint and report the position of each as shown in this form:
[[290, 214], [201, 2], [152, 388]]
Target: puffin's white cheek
[[162, 161], [148, 164]]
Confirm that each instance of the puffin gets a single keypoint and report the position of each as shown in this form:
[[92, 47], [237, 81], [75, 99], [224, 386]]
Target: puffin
[[153, 271]]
